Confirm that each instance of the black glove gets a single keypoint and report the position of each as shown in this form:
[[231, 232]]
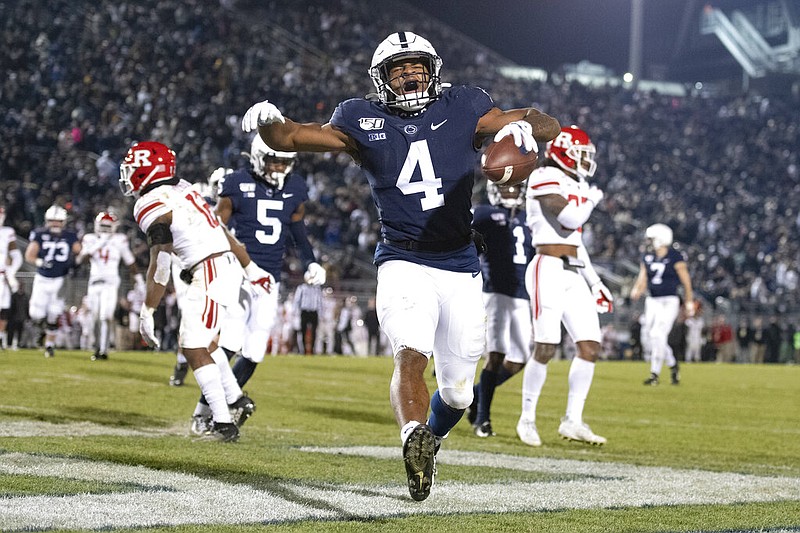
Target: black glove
[[480, 243]]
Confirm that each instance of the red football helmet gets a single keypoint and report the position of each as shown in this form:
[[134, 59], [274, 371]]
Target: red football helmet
[[573, 151], [106, 222], [145, 164]]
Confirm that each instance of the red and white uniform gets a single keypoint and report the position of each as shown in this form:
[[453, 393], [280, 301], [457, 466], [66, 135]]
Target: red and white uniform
[[200, 244], [7, 236], [558, 294], [105, 251]]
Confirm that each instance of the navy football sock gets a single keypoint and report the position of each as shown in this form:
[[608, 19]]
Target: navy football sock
[[486, 385], [502, 376], [443, 417], [243, 369]]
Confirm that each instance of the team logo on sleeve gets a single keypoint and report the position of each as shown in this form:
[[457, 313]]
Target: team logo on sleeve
[[368, 124]]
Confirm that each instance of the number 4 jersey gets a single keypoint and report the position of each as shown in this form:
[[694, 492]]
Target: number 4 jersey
[[105, 252], [421, 170], [196, 232]]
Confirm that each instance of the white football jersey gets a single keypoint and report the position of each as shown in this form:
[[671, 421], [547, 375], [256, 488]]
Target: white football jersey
[[545, 229], [196, 231], [7, 236], [109, 250]]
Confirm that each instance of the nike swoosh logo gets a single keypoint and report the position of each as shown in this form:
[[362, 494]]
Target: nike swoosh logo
[[435, 127], [288, 194]]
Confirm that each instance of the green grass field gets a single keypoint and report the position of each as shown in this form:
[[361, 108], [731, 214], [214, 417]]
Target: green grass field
[[105, 446]]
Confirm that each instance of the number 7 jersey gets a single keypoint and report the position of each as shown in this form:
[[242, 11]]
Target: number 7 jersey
[[196, 231]]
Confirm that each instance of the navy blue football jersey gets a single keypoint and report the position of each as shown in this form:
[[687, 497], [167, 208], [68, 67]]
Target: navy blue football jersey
[[421, 170], [55, 250], [662, 279], [262, 215], [508, 249]]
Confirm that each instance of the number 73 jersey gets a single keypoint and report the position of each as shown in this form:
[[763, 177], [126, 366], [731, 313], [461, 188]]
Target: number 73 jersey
[[196, 231], [55, 250]]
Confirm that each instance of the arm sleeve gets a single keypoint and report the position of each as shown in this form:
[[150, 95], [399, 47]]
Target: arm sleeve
[[574, 216], [301, 242], [588, 272], [16, 261]]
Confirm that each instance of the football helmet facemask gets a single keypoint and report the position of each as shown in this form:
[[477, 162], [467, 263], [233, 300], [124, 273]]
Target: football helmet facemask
[[406, 47], [146, 164], [510, 197], [573, 151], [659, 235], [55, 218], [270, 165], [105, 223]]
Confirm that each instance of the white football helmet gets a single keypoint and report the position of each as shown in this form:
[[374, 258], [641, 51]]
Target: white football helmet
[[399, 46], [659, 235], [270, 165], [55, 218], [510, 197]]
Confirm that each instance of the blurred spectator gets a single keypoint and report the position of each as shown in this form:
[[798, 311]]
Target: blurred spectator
[[722, 333], [18, 318], [759, 340], [772, 340], [744, 341]]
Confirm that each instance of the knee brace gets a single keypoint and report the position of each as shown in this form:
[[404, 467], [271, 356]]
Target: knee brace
[[457, 398]]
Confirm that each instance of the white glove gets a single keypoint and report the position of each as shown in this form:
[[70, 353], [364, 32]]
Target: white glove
[[260, 277], [147, 327], [41, 263], [603, 298], [594, 195], [690, 308], [522, 133], [13, 284], [261, 114], [315, 274]]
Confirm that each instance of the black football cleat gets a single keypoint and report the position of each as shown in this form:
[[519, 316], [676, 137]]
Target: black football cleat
[[419, 456]]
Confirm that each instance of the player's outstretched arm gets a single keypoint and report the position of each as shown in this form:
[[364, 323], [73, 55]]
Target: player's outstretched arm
[[281, 133]]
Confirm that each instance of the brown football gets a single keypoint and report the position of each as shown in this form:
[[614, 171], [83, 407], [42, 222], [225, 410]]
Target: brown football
[[505, 163]]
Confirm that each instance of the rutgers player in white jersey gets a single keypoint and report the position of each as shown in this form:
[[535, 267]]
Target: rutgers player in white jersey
[[105, 248], [10, 261], [177, 219], [561, 281]]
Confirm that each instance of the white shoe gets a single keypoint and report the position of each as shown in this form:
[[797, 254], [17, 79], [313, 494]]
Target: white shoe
[[201, 424], [526, 429], [579, 432]]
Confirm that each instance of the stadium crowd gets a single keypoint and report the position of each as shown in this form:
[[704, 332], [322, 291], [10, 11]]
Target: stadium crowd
[[85, 79]]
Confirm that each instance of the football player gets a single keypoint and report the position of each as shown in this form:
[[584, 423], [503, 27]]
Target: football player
[[52, 249], [563, 285], [662, 271], [209, 192], [105, 248], [265, 205], [417, 139], [177, 219], [10, 261], [508, 308]]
